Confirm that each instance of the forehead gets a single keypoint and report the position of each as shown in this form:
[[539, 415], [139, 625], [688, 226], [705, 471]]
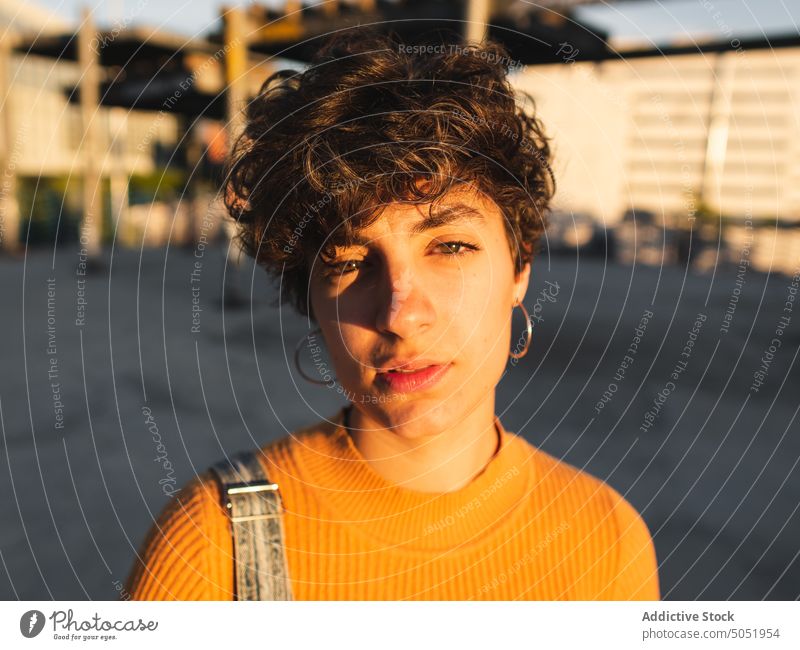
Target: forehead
[[462, 204]]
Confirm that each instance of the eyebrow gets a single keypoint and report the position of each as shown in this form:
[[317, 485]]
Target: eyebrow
[[441, 216]]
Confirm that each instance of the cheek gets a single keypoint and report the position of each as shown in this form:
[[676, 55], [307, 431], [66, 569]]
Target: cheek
[[478, 316], [349, 347]]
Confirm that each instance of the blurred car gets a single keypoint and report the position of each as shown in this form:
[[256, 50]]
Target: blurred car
[[577, 232], [642, 236]]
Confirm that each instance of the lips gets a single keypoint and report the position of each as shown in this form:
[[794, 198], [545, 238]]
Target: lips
[[408, 365], [412, 377]]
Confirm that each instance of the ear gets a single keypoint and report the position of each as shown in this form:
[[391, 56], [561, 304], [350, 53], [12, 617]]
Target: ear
[[521, 280]]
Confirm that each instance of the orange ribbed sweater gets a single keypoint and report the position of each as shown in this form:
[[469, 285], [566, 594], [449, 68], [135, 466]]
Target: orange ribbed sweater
[[527, 527]]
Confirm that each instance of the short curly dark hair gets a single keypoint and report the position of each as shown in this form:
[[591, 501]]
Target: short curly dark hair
[[323, 150]]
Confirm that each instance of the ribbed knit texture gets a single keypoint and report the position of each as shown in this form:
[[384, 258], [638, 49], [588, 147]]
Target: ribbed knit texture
[[528, 527]]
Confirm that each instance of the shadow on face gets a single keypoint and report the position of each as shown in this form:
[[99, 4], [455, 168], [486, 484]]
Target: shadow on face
[[416, 314]]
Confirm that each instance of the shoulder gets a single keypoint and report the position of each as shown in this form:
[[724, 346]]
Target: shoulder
[[564, 483], [187, 550], [610, 534], [187, 553]]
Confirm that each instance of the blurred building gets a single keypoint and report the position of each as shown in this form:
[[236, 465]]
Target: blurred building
[[156, 127], [685, 154], [708, 141], [129, 123], [48, 133]]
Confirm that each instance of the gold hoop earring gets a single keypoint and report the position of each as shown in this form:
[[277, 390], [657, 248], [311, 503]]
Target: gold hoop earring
[[300, 371], [528, 332]]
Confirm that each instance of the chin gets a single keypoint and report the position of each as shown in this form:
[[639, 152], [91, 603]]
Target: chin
[[411, 416]]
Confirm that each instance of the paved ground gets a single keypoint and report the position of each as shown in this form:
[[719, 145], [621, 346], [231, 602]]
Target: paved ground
[[715, 476]]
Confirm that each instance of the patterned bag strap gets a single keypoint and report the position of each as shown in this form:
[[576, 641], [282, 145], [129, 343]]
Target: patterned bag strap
[[255, 508]]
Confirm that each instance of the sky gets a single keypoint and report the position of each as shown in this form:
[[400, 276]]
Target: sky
[[658, 21], [669, 21]]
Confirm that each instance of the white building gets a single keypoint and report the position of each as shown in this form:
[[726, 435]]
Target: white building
[[664, 133]]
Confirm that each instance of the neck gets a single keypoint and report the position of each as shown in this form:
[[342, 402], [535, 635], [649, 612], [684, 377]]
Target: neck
[[441, 462]]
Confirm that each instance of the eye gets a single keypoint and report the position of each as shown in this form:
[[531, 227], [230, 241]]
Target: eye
[[344, 267], [456, 248], [451, 249]]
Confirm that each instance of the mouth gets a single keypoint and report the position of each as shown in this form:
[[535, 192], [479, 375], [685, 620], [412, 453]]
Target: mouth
[[408, 378]]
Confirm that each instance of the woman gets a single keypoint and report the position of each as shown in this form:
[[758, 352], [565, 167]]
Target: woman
[[398, 194]]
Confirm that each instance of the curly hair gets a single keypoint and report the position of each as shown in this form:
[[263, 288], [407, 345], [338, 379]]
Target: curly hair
[[324, 150]]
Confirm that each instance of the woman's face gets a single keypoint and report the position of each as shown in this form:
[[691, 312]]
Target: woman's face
[[435, 296]]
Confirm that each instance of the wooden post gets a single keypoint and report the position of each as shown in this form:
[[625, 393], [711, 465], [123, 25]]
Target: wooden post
[[10, 151], [119, 180], [236, 72], [478, 13], [331, 8], [235, 37], [292, 10], [91, 156]]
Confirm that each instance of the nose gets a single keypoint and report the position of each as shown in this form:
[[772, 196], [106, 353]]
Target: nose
[[404, 306]]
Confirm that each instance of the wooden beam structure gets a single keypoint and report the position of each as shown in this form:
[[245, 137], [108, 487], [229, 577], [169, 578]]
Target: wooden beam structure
[[10, 146], [236, 35], [478, 15], [91, 228]]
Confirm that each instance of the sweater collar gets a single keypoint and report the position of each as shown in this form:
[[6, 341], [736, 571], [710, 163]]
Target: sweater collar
[[355, 494]]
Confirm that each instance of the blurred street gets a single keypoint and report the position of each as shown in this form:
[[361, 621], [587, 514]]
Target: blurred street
[[114, 393]]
